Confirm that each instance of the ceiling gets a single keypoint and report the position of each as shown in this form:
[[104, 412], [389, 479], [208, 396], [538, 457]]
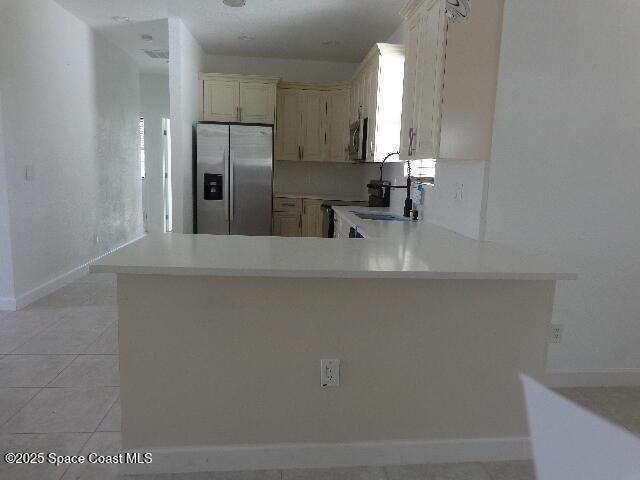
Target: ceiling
[[280, 28]]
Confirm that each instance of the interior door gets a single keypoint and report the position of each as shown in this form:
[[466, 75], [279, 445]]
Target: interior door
[[289, 125], [212, 186], [221, 100], [250, 178], [313, 125], [256, 102]]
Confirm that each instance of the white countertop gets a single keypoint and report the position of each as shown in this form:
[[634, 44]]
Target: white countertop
[[392, 250]]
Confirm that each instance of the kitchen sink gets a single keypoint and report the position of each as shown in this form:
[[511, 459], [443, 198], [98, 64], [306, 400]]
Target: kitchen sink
[[388, 217]]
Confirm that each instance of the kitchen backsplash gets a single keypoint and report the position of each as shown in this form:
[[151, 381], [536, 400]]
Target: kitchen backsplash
[[339, 180]]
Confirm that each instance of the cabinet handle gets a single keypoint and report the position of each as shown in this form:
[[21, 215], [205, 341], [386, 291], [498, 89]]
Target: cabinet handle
[[299, 154], [302, 154], [410, 152], [238, 114]]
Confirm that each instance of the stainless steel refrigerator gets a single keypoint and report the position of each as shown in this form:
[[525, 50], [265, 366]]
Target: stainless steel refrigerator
[[233, 182]]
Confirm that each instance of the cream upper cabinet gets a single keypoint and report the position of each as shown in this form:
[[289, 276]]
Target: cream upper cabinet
[[313, 122], [451, 72], [237, 98], [337, 126], [312, 147], [423, 78], [257, 102], [288, 131], [221, 100], [377, 96]]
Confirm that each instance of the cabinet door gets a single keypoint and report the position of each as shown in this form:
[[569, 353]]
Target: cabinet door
[[312, 219], [355, 100], [257, 102], [337, 130], [314, 112], [221, 100], [409, 89], [286, 224], [289, 126], [371, 102], [429, 85]]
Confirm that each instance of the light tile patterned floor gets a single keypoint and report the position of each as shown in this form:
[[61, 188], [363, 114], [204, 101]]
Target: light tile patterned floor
[[59, 390]]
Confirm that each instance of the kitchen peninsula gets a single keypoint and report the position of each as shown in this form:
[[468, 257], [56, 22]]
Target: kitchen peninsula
[[221, 340]]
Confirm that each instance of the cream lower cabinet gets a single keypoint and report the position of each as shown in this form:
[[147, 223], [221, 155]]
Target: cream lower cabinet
[[451, 72], [286, 224], [287, 217], [294, 217], [237, 98], [312, 218], [312, 123]]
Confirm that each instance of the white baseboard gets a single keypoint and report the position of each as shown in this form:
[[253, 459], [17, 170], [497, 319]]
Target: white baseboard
[[593, 378], [325, 455], [7, 303], [60, 281]]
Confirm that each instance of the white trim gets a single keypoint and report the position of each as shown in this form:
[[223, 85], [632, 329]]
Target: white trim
[[7, 303], [617, 377], [60, 281], [323, 455]]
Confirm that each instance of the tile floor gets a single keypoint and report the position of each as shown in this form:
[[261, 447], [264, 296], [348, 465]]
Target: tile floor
[[59, 391]]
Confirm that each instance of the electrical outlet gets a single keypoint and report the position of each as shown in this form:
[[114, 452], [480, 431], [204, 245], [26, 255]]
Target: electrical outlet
[[330, 373], [459, 191], [556, 333]]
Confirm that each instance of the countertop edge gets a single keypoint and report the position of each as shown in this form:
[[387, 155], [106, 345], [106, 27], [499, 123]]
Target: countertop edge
[[293, 273]]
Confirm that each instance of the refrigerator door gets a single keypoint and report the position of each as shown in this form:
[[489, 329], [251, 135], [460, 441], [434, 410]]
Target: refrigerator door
[[212, 179], [251, 178]]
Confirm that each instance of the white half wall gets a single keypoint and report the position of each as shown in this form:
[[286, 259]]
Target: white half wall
[[289, 70], [187, 61], [154, 98], [565, 169], [70, 106]]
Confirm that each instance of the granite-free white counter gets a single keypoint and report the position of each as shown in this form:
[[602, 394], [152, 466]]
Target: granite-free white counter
[[392, 250]]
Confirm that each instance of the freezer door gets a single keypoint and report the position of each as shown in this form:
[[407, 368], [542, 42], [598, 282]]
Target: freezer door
[[251, 176], [212, 178]]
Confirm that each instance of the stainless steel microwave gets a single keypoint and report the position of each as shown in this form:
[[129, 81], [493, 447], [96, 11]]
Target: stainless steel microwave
[[358, 140]]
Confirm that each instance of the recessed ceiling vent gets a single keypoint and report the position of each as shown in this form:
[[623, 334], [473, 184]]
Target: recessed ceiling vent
[[164, 54]]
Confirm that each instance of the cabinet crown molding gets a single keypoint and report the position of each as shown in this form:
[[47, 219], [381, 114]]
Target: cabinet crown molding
[[413, 6], [238, 77], [379, 50], [314, 86]]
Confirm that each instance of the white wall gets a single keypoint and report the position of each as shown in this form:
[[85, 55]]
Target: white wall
[[290, 70], [565, 171], [70, 109], [187, 61], [154, 99]]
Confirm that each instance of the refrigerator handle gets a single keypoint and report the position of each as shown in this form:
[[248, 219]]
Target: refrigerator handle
[[225, 159], [232, 186]]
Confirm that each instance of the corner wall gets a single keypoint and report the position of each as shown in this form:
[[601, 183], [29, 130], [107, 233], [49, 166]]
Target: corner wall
[[565, 169], [7, 293], [70, 111], [187, 61]]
